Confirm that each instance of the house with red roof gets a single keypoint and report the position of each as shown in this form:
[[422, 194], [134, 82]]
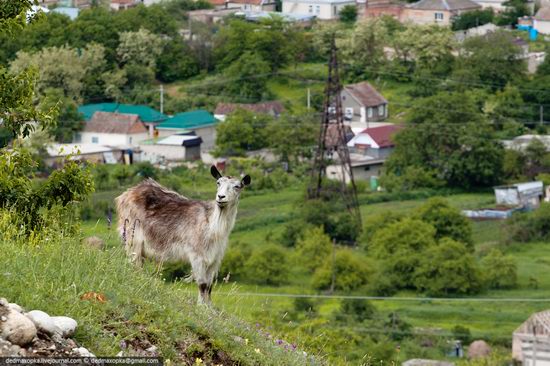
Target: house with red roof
[[361, 102], [376, 142]]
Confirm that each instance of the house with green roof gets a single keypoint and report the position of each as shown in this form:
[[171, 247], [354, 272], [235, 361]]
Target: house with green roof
[[200, 121], [147, 114]]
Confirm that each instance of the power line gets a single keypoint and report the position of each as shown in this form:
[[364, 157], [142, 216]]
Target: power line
[[388, 298]]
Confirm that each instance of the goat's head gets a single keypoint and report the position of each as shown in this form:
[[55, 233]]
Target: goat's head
[[229, 188]]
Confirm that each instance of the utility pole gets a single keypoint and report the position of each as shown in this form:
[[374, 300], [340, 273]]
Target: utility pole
[[332, 148], [541, 113], [161, 98], [308, 98], [333, 280]]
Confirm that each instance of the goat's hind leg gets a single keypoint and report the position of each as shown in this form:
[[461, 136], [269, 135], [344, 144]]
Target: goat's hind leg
[[200, 275]]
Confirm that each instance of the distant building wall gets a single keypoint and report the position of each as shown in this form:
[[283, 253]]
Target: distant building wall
[[441, 17], [542, 26], [320, 10], [113, 139]]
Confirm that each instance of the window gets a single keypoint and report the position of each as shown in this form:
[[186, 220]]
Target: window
[[438, 17], [311, 8], [381, 110], [370, 113], [348, 115], [317, 9], [95, 140]]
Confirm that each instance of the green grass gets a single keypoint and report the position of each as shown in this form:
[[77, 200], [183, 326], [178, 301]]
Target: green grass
[[140, 306]]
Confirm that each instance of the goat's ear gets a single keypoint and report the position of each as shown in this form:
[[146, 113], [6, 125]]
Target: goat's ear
[[215, 173], [246, 180]]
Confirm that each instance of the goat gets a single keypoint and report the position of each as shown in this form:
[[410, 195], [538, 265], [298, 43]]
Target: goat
[[168, 227]]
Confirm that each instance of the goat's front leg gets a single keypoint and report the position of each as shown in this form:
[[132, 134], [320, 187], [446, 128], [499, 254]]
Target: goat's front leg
[[200, 275]]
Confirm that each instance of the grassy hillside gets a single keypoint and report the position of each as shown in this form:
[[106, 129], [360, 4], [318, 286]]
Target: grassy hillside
[[140, 310]]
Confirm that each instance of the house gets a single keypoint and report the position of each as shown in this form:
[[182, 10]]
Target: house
[[179, 147], [482, 30], [245, 5], [93, 153], [201, 122], [208, 16], [363, 168], [149, 116], [363, 103], [424, 362], [72, 13], [257, 16], [437, 11], [114, 130], [520, 143], [322, 9], [527, 195], [377, 8], [531, 340], [376, 142], [122, 4], [272, 108], [541, 20]]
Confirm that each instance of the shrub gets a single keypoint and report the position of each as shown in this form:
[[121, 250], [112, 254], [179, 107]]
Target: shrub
[[400, 245], [530, 226], [411, 178], [447, 221], [446, 269], [374, 223], [293, 231], [463, 334], [350, 272], [355, 310], [313, 248], [500, 271], [234, 262], [305, 305], [267, 266]]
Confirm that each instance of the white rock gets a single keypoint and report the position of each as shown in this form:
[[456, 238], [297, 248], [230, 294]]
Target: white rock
[[120, 354], [3, 318], [3, 301], [83, 352], [66, 325], [17, 329], [43, 322], [15, 307], [152, 349]]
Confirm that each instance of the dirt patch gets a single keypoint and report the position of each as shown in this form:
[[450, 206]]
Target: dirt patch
[[202, 348]]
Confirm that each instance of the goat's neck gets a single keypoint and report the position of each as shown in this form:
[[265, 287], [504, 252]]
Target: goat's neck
[[222, 220]]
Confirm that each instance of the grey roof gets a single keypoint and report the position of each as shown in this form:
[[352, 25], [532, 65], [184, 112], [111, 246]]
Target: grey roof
[[448, 5]]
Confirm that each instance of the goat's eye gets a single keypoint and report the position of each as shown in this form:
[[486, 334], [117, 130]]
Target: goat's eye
[[237, 187]]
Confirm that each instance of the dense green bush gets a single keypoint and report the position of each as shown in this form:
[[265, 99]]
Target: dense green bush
[[447, 221], [313, 248], [448, 269], [267, 265], [350, 270], [373, 223], [530, 226], [499, 271], [234, 262], [355, 310]]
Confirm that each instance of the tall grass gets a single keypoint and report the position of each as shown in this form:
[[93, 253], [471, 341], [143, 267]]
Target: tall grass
[[140, 307]]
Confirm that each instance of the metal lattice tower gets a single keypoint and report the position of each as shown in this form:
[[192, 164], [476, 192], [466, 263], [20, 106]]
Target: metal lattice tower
[[332, 146]]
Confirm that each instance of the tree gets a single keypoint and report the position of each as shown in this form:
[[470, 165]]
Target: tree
[[400, 245], [176, 62], [61, 68], [70, 121], [141, 48], [492, 60], [293, 138], [448, 269], [247, 77], [505, 105], [365, 53], [500, 271], [19, 191], [348, 14], [449, 139], [241, 131], [313, 248], [471, 19], [268, 266], [355, 310], [350, 272], [447, 221]]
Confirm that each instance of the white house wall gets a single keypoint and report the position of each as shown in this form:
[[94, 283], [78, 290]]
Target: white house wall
[[113, 139], [542, 26], [320, 10]]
